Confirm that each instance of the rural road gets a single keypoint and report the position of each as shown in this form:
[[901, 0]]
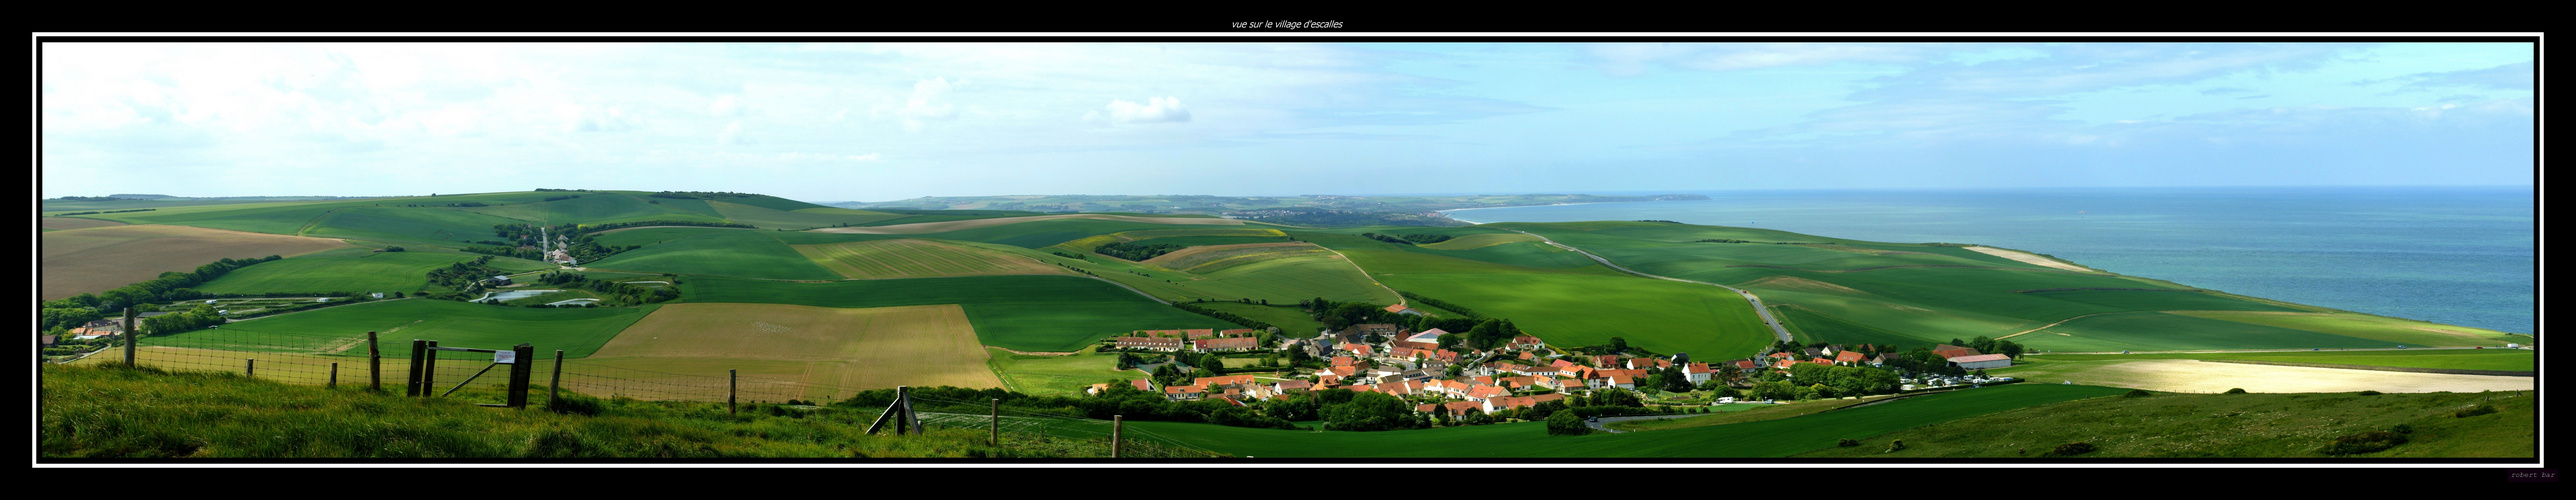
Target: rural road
[[1603, 423], [1783, 333]]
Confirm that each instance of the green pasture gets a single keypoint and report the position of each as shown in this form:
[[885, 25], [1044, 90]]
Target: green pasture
[[745, 254], [436, 226], [654, 235], [1771, 438], [809, 217], [346, 269], [1662, 316], [1057, 375], [2222, 426], [343, 330], [1026, 312]]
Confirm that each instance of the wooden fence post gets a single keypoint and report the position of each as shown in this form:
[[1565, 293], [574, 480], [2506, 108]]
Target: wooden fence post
[[429, 369], [907, 411], [554, 386], [375, 365], [334, 383], [522, 365], [997, 422], [247, 365], [411, 384], [1116, 423], [733, 385], [130, 337]]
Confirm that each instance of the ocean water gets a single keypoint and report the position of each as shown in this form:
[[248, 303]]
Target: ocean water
[[2455, 255]]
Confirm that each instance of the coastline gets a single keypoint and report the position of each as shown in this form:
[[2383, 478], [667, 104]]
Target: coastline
[[1446, 213]]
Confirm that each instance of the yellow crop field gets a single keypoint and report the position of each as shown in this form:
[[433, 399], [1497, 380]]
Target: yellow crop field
[[1199, 259], [98, 259], [914, 258], [682, 351]]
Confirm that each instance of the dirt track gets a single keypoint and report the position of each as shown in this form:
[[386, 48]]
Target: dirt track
[[2026, 258]]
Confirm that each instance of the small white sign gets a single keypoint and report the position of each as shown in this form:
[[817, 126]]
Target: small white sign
[[504, 357]]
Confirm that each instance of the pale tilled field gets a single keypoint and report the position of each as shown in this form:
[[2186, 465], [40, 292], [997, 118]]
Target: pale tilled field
[[98, 259], [784, 351]]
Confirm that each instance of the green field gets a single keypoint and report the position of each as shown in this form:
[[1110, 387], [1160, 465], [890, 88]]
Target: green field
[[1292, 322], [1772, 438], [1057, 375], [347, 269], [343, 330], [2157, 331], [1026, 313], [744, 254]]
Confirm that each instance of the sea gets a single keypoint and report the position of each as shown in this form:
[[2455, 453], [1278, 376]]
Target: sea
[[2455, 255]]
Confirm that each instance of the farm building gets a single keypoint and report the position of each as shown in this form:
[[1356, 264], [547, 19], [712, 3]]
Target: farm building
[[1227, 344], [1981, 361]]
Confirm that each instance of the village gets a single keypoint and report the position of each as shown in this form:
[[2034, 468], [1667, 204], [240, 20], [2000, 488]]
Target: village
[[1457, 381]]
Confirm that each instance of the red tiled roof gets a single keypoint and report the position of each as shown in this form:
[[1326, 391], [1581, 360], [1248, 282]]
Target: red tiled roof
[[1395, 308], [1980, 357]]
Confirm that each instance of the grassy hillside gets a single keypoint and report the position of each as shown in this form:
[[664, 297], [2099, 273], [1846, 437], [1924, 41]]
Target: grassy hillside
[[108, 412], [348, 269], [2296, 426], [1771, 438], [743, 254]]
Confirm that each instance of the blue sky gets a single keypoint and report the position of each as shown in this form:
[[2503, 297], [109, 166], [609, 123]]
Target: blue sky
[[874, 122]]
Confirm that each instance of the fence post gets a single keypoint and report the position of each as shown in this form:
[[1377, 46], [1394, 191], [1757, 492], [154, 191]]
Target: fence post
[[429, 369], [1116, 423], [554, 386], [519, 371], [733, 385], [411, 385], [130, 336], [334, 383], [907, 412], [247, 365], [997, 422], [375, 365]]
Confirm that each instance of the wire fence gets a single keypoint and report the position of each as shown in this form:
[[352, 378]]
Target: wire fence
[[343, 361]]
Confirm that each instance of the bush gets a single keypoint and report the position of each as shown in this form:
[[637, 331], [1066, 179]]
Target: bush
[[2402, 429], [1566, 423], [1896, 445], [571, 404], [2239, 390], [2364, 443], [2071, 449], [1847, 442], [2369, 393], [2137, 393], [2473, 411]]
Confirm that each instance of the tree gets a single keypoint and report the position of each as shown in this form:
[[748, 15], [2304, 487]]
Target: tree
[[1566, 423]]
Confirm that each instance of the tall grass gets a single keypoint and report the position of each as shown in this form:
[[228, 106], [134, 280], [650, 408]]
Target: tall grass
[[101, 412]]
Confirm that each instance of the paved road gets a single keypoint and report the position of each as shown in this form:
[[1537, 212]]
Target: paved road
[[1767, 320]]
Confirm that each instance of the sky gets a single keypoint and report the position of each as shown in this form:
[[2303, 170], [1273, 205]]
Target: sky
[[827, 122]]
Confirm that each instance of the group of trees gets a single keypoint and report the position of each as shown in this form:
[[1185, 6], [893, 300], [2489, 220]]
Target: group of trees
[[1444, 305], [198, 317], [1136, 252], [1229, 317], [1408, 239]]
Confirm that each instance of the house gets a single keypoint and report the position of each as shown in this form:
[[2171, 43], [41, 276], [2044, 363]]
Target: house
[[1184, 393], [1849, 358], [1238, 332], [1345, 361], [1527, 342], [1981, 361], [1288, 386], [1149, 343], [1955, 353], [1379, 329], [1400, 309], [1226, 344], [1698, 372]]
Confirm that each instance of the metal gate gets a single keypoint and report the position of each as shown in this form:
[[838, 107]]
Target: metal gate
[[427, 355]]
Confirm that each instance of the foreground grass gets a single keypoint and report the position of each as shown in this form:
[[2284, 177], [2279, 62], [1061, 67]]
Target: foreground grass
[[2228, 426], [1768, 438], [123, 413]]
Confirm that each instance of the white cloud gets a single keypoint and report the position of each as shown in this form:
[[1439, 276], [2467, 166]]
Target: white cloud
[[1155, 110], [726, 106], [924, 103]]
